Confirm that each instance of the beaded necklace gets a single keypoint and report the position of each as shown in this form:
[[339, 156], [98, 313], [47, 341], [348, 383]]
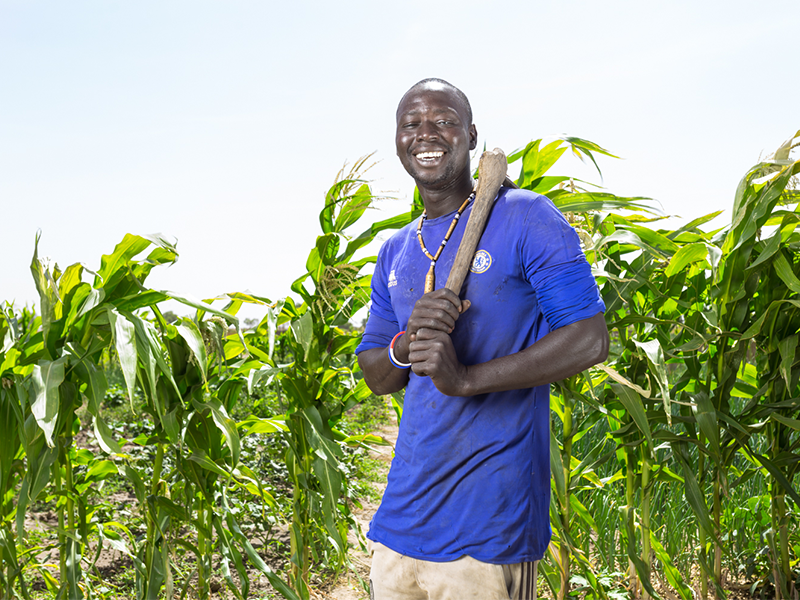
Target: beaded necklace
[[430, 278]]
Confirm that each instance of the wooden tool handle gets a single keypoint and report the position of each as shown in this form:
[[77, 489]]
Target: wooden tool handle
[[492, 172]]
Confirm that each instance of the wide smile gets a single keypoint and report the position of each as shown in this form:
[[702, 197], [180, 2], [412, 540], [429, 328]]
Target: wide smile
[[429, 158]]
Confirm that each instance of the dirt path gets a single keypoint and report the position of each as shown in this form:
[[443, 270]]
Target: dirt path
[[349, 588]]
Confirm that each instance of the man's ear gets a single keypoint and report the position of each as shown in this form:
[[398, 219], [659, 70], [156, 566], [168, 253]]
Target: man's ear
[[473, 137]]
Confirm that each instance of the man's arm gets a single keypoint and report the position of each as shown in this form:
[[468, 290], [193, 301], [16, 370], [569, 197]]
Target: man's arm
[[427, 345], [558, 355], [381, 375]]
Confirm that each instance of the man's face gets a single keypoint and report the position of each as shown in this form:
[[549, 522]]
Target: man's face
[[434, 136]]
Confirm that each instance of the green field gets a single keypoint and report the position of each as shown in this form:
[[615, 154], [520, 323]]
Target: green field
[[145, 455]]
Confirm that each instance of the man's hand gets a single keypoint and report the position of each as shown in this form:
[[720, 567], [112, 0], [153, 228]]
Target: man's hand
[[432, 354], [437, 310]]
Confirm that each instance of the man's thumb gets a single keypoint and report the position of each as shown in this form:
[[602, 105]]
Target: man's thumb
[[465, 304]]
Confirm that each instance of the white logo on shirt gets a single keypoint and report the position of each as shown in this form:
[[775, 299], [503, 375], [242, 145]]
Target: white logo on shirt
[[481, 262], [392, 279]]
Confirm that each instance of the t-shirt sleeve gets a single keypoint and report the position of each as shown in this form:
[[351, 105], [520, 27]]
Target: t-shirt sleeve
[[557, 268], [382, 323]]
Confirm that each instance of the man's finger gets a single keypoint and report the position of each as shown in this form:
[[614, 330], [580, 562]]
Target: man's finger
[[428, 333], [451, 297], [448, 305], [441, 321], [460, 305]]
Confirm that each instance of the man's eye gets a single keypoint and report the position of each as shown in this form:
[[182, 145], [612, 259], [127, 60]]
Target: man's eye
[[445, 122]]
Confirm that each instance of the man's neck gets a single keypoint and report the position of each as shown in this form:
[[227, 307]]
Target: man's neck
[[442, 201]]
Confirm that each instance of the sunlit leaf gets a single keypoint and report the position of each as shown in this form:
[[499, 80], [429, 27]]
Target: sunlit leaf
[[302, 330], [706, 417], [354, 208], [655, 358], [101, 470], [254, 424], [224, 423], [787, 348], [125, 341], [537, 161], [686, 255], [110, 264], [557, 469], [188, 330], [784, 271], [45, 379], [104, 436], [633, 404]]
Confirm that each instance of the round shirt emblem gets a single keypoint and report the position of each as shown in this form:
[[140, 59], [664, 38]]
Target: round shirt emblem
[[481, 261]]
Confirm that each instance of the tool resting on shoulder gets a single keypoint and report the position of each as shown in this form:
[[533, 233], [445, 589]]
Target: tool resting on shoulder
[[491, 176]]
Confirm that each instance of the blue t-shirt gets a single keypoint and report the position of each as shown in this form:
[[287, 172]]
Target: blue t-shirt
[[471, 475]]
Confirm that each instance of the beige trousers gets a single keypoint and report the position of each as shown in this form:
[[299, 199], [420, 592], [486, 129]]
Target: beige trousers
[[397, 577]]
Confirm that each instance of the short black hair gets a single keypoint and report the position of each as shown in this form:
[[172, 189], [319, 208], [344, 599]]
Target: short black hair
[[459, 94]]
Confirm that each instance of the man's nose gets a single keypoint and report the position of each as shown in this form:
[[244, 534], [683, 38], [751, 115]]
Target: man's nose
[[427, 131]]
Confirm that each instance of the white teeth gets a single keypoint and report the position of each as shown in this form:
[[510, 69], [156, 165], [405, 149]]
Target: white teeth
[[425, 155]]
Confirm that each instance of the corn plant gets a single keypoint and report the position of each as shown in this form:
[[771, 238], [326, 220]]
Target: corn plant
[[573, 525], [47, 374], [15, 332], [759, 286], [56, 371], [584, 208], [319, 382], [189, 397], [635, 311]]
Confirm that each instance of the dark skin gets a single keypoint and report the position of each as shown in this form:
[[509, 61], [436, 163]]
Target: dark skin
[[434, 137], [434, 120]]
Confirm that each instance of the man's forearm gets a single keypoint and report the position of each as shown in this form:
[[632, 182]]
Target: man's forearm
[[558, 355], [381, 375]]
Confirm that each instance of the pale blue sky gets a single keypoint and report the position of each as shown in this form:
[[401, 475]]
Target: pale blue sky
[[224, 123]]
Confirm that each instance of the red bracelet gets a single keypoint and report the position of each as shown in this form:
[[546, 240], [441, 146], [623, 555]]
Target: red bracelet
[[392, 358]]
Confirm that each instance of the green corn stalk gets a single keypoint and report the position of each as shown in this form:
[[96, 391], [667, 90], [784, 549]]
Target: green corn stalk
[[574, 528], [686, 282], [758, 287], [79, 322], [320, 382], [12, 451], [562, 473], [583, 208], [12, 454], [55, 368], [647, 298], [623, 283], [190, 406], [777, 340]]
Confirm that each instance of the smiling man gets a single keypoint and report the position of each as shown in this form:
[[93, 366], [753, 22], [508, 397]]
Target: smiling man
[[466, 509]]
